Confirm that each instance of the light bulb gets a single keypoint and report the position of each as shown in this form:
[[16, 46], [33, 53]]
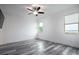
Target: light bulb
[[35, 12]]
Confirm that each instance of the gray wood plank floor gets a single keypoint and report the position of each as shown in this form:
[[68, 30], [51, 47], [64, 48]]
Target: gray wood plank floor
[[37, 47]]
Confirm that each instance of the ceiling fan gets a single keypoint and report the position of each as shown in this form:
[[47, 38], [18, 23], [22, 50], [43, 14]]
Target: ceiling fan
[[35, 9]]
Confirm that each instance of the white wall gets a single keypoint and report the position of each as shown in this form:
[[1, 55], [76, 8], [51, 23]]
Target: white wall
[[1, 36], [18, 26], [54, 28]]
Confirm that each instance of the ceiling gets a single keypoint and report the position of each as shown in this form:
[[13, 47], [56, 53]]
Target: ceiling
[[50, 8]]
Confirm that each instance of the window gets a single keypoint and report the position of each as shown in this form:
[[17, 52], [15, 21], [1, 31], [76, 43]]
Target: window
[[71, 23], [40, 27]]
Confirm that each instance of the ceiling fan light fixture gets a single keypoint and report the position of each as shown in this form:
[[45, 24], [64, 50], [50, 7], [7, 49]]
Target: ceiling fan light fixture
[[36, 9], [35, 12]]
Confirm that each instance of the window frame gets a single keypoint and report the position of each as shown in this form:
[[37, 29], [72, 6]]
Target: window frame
[[40, 28], [71, 24]]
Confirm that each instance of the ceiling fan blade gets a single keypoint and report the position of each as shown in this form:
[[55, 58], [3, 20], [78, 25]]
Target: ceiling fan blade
[[29, 9], [29, 13], [41, 12], [38, 8]]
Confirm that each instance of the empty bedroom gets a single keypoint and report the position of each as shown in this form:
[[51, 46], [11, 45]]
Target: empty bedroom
[[39, 29]]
